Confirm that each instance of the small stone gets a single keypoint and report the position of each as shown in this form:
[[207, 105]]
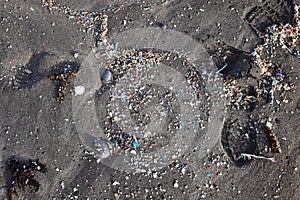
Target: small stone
[[76, 55], [27, 71], [115, 183], [161, 25], [176, 184], [117, 196], [106, 75]]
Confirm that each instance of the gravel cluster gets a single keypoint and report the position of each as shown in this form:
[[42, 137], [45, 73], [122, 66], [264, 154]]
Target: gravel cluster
[[273, 77], [132, 68], [91, 22]]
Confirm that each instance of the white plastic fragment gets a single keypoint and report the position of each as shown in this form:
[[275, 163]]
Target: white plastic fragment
[[176, 184], [250, 156], [79, 90], [115, 183]]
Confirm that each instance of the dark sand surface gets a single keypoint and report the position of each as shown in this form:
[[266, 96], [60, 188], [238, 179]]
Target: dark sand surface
[[33, 125]]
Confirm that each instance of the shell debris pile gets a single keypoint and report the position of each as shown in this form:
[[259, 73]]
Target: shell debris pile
[[91, 22], [136, 62], [273, 78]]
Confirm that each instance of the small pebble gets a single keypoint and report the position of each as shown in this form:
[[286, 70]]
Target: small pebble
[[115, 183], [27, 71], [176, 184], [76, 55], [106, 75]]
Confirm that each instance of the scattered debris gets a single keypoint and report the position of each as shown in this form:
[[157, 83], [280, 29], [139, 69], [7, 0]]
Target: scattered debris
[[278, 187], [106, 75], [65, 83], [275, 146], [24, 77], [23, 175], [231, 62], [91, 22], [273, 78], [239, 97]]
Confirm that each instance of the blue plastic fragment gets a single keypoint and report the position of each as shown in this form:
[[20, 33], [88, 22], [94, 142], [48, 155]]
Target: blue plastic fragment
[[208, 174], [135, 144], [112, 53], [297, 55], [182, 123], [116, 44]]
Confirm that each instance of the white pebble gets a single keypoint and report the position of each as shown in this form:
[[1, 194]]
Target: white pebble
[[176, 184], [115, 183], [76, 55]]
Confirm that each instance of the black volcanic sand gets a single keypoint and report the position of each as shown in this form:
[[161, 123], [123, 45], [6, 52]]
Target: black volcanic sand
[[33, 125]]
